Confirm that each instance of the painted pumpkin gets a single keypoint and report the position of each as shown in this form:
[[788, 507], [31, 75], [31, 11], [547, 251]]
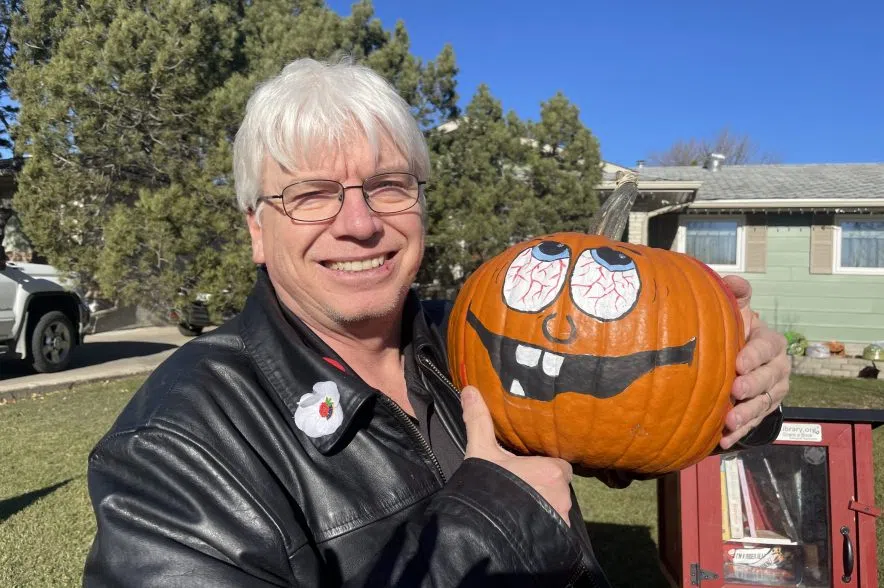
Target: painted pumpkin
[[609, 355]]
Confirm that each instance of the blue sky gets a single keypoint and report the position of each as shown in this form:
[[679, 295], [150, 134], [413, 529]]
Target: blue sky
[[804, 79]]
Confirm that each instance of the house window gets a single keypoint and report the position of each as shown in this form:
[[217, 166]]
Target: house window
[[718, 241], [859, 244]]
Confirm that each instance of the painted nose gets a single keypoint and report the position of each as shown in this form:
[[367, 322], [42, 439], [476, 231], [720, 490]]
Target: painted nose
[[559, 329]]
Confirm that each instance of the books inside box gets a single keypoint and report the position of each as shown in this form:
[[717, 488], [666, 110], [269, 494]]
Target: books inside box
[[774, 520], [751, 516], [778, 565]]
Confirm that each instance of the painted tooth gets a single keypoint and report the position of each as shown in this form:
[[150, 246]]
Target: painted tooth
[[516, 388], [527, 356], [552, 363]]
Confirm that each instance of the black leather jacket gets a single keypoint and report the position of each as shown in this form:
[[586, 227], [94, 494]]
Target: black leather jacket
[[205, 479]]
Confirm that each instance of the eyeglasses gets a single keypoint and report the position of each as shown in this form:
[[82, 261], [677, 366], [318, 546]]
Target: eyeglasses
[[320, 200]]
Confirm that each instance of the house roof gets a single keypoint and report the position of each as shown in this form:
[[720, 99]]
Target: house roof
[[765, 182]]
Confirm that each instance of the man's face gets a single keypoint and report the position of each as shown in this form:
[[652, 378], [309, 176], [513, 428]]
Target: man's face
[[320, 270]]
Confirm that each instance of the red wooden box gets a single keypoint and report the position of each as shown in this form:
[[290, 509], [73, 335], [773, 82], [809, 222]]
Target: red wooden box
[[799, 512]]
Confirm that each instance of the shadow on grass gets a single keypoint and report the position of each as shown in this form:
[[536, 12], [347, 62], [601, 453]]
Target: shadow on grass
[[628, 554], [10, 506]]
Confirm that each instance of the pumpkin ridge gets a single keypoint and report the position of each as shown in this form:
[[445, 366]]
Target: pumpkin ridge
[[724, 377], [697, 445], [648, 398], [658, 327], [701, 375], [677, 438], [731, 327], [666, 444]]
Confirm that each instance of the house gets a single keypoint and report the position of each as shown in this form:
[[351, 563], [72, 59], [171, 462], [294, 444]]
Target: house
[[809, 238]]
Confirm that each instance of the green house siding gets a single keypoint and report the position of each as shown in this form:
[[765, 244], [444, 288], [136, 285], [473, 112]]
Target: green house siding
[[841, 307]]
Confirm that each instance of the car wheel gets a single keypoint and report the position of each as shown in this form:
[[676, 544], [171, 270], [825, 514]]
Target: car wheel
[[52, 342], [189, 331]]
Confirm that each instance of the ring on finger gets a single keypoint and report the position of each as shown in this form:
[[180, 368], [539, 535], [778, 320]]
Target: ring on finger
[[769, 401]]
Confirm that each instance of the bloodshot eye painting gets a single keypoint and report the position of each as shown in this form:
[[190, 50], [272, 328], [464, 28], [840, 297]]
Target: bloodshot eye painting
[[605, 283], [535, 277], [609, 355]]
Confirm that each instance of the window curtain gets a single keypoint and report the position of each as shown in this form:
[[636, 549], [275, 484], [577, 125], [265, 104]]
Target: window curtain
[[713, 242], [862, 244]]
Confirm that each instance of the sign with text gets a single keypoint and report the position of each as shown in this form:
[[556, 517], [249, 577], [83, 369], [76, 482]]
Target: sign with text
[[807, 432]]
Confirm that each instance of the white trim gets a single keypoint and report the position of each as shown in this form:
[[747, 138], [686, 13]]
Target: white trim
[[681, 238], [790, 203], [836, 243], [667, 209], [657, 186]]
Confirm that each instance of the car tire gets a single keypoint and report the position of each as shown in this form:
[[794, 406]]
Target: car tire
[[52, 342], [189, 331]]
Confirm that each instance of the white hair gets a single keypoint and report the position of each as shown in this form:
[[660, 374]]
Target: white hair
[[309, 110]]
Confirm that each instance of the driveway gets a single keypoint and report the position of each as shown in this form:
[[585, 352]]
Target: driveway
[[105, 355]]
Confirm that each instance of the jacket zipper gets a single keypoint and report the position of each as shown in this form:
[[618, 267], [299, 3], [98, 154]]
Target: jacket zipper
[[584, 570], [425, 361], [424, 446]]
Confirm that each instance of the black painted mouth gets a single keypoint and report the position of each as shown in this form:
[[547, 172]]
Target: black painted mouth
[[598, 376]]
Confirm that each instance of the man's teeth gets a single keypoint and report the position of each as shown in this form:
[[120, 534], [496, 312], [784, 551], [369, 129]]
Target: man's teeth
[[530, 357], [357, 266]]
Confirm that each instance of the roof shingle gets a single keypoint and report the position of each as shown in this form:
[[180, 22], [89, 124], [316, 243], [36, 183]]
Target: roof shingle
[[744, 182]]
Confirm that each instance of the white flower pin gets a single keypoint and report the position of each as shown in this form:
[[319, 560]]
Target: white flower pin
[[319, 412]]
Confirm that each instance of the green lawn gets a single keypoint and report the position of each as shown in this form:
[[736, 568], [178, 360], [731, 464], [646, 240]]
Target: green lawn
[[46, 524]]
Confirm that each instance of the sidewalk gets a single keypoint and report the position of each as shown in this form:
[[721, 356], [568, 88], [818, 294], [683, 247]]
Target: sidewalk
[[115, 354]]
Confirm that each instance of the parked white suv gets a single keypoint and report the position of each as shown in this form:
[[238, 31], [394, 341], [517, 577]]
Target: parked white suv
[[41, 318]]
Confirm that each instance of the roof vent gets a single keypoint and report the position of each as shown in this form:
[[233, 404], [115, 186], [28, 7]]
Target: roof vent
[[714, 161]]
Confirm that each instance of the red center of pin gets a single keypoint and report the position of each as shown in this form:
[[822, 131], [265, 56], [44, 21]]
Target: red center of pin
[[335, 363]]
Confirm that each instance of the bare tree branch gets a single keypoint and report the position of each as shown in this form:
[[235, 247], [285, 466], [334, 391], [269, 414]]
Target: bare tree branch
[[737, 149]]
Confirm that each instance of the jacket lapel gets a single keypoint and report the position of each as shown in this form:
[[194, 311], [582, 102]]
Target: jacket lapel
[[306, 374], [320, 391]]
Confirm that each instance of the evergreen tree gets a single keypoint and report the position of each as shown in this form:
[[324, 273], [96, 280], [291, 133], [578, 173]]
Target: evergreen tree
[[128, 113], [498, 180]]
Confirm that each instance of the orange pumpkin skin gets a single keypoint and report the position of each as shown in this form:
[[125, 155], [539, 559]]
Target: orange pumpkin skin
[[624, 354]]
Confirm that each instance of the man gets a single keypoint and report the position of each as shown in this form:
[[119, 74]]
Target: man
[[315, 439]]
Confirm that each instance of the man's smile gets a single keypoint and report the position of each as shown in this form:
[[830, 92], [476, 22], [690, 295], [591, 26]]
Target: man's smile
[[358, 265], [529, 371]]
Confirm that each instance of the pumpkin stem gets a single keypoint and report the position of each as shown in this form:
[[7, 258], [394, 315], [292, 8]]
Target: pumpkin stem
[[610, 220]]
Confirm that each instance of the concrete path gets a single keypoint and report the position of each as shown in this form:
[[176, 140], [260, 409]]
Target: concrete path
[[103, 356]]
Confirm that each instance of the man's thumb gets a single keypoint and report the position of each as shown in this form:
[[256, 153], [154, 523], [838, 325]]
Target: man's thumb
[[480, 427], [741, 289]]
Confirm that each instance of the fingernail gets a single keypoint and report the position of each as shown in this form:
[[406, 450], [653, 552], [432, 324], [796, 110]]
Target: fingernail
[[468, 396]]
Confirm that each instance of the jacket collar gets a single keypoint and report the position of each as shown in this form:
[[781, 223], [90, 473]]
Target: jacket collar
[[303, 370]]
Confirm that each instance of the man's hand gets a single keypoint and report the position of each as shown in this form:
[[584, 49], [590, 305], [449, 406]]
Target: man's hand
[[549, 476], [762, 370]]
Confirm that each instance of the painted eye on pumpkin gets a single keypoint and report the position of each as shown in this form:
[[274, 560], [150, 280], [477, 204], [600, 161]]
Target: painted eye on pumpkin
[[605, 283], [536, 276]]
